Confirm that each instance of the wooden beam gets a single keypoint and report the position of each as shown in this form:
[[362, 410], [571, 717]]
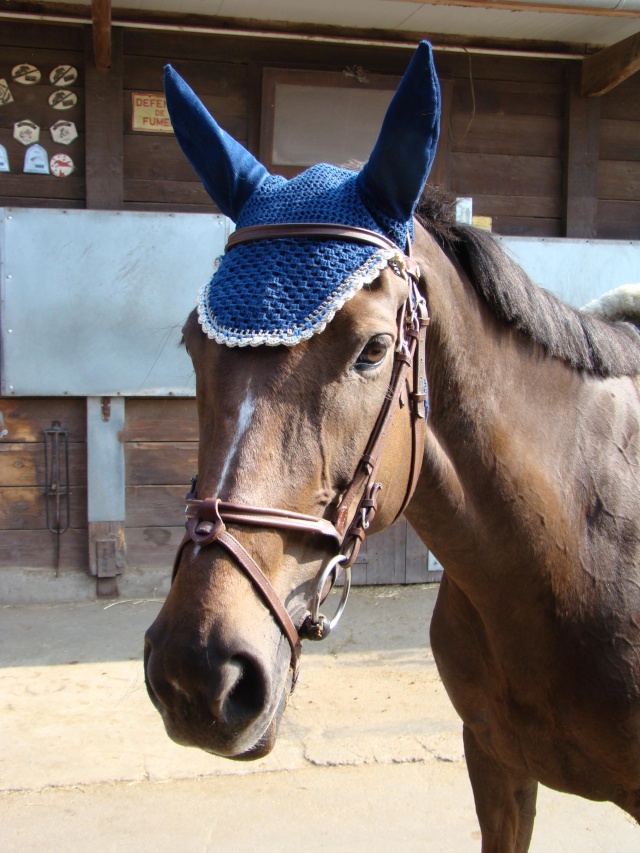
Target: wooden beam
[[604, 70], [558, 7], [582, 160], [101, 17], [103, 128]]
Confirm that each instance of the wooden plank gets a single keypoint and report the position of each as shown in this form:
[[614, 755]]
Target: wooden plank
[[505, 175], [25, 418], [24, 508], [440, 174], [511, 69], [518, 206], [22, 464], [527, 226], [619, 230], [171, 194], [161, 419], [561, 8], [619, 140], [530, 136], [36, 549], [386, 562], [275, 52], [104, 112], [36, 201], [619, 180], [416, 558], [101, 17], [606, 69], [153, 547], [511, 97], [581, 183], [226, 81], [623, 102], [158, 156], [41, 186], [254, 108], [167, 207], [160, 462], [34, 36], [619, 220], [159, 506]]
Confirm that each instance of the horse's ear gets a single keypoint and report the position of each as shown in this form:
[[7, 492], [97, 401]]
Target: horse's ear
[[402, 157], [230, 174]]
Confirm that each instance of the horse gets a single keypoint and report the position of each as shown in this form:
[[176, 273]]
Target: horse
[[437, 380]]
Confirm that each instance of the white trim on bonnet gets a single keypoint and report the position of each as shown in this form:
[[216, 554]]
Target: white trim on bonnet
[[324, 313]]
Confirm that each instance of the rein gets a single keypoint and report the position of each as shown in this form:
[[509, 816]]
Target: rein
[[207, 518]]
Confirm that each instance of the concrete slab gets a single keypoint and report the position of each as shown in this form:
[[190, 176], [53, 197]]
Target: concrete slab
[[369, 755]]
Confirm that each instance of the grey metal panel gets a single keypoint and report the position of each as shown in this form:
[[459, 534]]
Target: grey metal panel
[[105, 460], [577, 270], [93, 301]]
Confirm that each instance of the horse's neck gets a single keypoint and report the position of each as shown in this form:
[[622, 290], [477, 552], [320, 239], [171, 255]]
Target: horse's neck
[[489, 394]]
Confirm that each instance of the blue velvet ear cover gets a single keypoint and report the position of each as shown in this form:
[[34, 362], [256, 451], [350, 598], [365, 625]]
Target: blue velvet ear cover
[[284, 290], [230, 174], [399, 164]]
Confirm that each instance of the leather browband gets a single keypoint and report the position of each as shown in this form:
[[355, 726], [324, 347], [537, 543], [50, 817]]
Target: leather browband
[[311, 230]]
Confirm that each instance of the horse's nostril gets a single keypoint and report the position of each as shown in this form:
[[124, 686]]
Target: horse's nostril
[[246, 693]]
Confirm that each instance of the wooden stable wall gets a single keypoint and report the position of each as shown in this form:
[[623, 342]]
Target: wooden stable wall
[[517, 137], [618, 213], [45, 47], [161, 449], [24, 538]]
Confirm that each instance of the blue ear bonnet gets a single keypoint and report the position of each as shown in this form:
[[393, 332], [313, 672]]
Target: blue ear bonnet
[[284, 290]]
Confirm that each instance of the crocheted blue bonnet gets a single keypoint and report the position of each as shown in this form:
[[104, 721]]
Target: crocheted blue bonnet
[[284, 290]]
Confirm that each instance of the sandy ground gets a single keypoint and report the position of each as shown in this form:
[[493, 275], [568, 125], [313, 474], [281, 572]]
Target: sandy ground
[[369, 755]]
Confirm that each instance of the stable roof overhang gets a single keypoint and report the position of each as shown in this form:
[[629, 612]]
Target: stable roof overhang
[[606, 32], [584, 23]]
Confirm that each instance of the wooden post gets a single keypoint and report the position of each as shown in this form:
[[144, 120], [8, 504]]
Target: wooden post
[[106, 491], [101, 17], [582, 157], [103, 126]]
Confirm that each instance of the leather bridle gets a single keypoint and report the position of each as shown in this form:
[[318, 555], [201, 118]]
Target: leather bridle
[[207, 518]]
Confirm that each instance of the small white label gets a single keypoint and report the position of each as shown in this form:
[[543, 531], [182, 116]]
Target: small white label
[[26, 131], [63, 99], [64, 132], [26, 74], [36, 160], [63, 75]]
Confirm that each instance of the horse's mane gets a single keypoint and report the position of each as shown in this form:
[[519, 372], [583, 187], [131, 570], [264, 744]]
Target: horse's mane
[[584, 340]]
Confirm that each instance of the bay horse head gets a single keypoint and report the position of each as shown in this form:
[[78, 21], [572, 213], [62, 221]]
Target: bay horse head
[[308, 350]]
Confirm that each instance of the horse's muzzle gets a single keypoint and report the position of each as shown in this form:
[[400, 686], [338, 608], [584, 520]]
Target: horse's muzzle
[[225, 704]]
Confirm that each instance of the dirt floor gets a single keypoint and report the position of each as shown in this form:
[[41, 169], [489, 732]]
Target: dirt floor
[[369, 755]]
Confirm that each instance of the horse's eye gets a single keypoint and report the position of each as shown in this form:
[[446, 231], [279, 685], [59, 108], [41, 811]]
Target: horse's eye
[[373, 354]]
